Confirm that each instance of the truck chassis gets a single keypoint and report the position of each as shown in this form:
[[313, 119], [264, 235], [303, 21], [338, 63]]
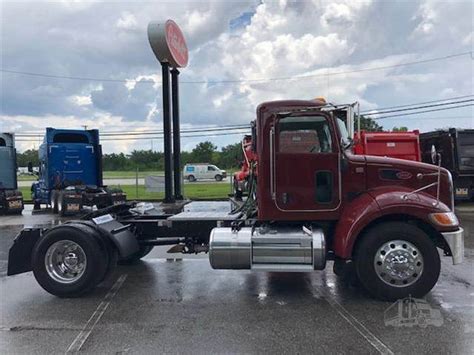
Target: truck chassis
[[70, 259]]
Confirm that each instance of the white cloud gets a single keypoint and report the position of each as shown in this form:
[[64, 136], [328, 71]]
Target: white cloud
[[127, 21], [273, 40], [81, 100]]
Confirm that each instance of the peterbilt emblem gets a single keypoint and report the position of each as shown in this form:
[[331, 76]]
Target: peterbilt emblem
[[404, 175]]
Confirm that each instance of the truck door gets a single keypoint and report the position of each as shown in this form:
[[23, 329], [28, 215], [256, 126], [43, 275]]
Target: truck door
[[306, 173]]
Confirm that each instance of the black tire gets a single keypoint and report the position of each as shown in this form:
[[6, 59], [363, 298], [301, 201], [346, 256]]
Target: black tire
[[109, 250], [141, 253], [367, 250], [36, 206], [94, 270], [218, 177], [191, 178], [346, 272]]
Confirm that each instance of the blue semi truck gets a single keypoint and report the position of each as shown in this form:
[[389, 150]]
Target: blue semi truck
[[11, 199], [70, 173]]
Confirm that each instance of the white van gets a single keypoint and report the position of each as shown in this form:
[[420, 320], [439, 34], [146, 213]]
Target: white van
[[192, 172]]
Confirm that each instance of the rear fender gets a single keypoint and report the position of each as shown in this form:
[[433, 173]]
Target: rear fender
[[125, 241], [123, 238]]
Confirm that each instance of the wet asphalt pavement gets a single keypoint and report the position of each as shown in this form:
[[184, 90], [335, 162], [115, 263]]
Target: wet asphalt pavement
[[177, 304]]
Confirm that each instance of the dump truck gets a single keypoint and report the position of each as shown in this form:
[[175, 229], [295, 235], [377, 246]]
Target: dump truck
[[457, 150], [310, 203], [70, 173], [400, 145], [11, 199]]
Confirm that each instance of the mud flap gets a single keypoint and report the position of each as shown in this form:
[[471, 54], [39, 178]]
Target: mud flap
[[19, 256]]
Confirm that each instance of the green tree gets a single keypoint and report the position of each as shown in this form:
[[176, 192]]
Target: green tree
[[30, 155], [230, 156], [203, 152], [369, 124], [146, 160], [111, 162], [400, 129]]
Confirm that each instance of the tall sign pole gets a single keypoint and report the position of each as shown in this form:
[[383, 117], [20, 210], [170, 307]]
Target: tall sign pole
[[176, 134], [165, 82], [169, 46]]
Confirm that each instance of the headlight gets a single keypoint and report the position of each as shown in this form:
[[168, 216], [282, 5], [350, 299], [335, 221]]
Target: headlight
[[444, 219]]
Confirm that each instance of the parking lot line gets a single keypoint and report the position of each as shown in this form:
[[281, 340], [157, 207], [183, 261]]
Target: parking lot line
[[96, 316], [354, 323]]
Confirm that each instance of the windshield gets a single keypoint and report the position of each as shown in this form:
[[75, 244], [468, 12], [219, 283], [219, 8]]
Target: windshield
[[346, 139]]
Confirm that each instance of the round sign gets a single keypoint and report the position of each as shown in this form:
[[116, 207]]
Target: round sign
[[168, 43]]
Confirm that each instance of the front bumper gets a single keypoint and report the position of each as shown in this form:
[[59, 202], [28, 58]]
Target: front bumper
[[455, 240]]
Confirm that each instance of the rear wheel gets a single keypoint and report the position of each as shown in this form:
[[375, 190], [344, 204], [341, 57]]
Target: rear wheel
[[395, 260], [68, 262], [191, 178]]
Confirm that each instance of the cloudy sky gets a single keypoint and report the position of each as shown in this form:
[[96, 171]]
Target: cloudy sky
[[229, 41]]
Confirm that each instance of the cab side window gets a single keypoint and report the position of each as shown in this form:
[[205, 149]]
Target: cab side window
[[211, 168], [305, 134]]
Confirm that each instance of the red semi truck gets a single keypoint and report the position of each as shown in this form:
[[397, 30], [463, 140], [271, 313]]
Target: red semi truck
[[312, 201]]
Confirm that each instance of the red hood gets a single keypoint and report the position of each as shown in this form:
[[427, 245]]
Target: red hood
[[383, 172]]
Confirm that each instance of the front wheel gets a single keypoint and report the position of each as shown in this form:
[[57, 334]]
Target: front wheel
[[218, 177], [395, 260]]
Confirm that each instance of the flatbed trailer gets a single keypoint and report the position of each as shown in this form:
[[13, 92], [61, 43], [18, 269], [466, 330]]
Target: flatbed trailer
[[380, 219]]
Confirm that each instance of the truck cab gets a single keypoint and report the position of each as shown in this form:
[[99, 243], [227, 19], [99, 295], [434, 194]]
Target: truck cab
[[70, 171], [11, 199]]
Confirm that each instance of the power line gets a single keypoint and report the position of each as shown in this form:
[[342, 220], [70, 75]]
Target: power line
[[419, 103], [52, 76], [416, 113], [217, 129], [161, 137], [211, 129], [417, 107]]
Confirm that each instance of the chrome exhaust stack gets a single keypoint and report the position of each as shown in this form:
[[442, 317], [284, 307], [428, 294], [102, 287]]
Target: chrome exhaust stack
[[284, 249]]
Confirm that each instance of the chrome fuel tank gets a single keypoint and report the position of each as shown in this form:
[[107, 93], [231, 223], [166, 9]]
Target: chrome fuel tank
[[269, 249]]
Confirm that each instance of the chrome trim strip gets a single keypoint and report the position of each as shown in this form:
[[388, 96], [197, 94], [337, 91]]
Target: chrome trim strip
[[455, 240], [272, 158]]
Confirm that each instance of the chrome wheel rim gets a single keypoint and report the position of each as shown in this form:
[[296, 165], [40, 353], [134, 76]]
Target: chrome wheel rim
[[65, 261], [398, 263]]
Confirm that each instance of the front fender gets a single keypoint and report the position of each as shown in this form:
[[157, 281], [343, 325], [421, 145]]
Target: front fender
[[378, 204], [356, 214]]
